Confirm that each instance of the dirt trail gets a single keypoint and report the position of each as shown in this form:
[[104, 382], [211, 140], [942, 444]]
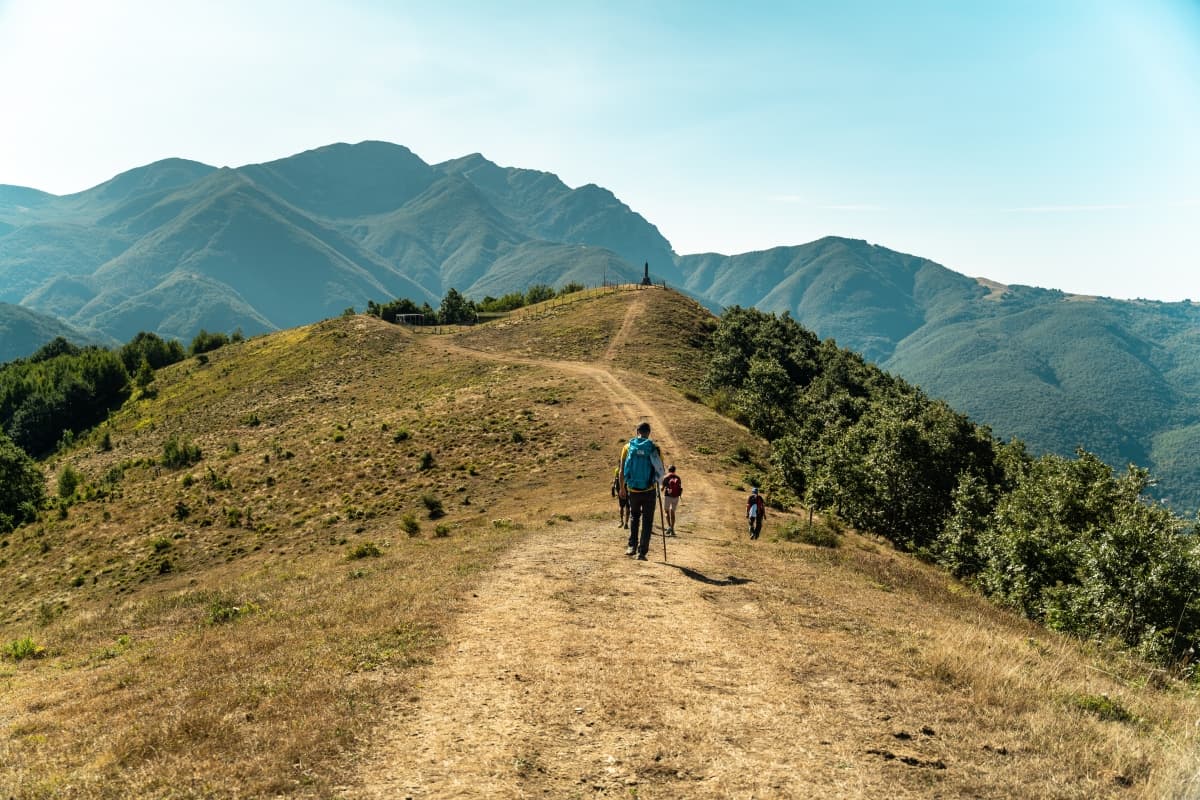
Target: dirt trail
[[575, 671]]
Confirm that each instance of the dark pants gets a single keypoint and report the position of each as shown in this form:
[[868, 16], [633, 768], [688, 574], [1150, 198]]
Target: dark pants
[[641, 509]]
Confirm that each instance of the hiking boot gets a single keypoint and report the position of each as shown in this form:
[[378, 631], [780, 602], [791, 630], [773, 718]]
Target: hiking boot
[[670, 531], [641, 557], [629, 551], [620, 524]]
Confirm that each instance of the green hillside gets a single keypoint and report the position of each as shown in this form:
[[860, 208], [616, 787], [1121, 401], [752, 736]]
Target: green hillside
[[1057, 371]]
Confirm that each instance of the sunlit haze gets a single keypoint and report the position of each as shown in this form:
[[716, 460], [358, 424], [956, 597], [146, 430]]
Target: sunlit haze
[[1045, 143]]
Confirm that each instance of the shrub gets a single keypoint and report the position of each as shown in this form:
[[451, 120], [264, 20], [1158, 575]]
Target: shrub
[[366, 549], [21, 649], [426, 461], [224, 609], [410, 525], [179, 454], [206, 342], [401, 435], [441, 531], [434, 505], [818, 535], [218, 482], [69, 481]]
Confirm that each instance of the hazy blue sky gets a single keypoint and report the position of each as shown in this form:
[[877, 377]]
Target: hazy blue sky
[[1049, 142]]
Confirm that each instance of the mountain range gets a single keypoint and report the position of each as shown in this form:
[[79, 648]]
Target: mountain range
[[176, 246]]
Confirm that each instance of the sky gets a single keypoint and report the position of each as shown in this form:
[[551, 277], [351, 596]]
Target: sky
[[1052, 143]]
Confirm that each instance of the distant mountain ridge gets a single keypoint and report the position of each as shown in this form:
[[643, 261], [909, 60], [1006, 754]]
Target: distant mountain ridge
[[282, 243], [23, 331], [177, 245]]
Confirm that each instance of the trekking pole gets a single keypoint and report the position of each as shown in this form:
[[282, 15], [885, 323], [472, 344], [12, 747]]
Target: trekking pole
[[661, 520]]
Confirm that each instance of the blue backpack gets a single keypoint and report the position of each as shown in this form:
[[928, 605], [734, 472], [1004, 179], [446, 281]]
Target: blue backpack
[[639, 473]]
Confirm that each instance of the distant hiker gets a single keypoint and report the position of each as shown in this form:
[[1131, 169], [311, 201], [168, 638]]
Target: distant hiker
[[641, 468], [672, 488], [756, 512], [622, 497]]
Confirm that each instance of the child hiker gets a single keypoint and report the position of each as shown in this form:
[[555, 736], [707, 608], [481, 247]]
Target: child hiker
[[672, 488]]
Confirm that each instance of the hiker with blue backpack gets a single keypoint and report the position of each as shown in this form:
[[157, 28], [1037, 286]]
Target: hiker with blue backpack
[[641, 469]]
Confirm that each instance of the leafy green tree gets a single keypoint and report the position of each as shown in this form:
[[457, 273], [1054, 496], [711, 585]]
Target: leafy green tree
[[456, 309], [205, 342], [22, 485], [154, 349], [1037, 538], [538, 293], [765, 399], [58, 346], [68, 482], [145, 375]]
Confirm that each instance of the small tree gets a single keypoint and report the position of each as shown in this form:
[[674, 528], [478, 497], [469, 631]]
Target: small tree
[[145, 375], [68, 482], [538, 293], [456, 309]]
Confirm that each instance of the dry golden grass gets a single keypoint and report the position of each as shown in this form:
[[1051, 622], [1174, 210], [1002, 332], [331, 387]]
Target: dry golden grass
[[209, 631], [263, 649]]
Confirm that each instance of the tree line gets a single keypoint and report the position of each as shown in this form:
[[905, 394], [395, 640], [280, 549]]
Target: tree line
[[456, 309], [62, 390], [1068, 542]]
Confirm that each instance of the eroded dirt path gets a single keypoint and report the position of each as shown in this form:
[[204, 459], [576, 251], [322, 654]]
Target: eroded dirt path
[[575, 671]]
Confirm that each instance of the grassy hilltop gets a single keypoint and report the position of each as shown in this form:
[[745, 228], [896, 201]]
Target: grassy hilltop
[[278, 608]]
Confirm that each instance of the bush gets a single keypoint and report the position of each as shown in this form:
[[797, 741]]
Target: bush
[[364, 550], [538, 293], [426, 461], [206, 342], [224, 609], [69, 480], [441, 531], [434, 505], [21, 649], [410, 525], [178, 454]]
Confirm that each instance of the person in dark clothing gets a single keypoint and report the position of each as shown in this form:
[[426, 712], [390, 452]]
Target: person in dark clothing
[[622, 497], [756, 512]]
